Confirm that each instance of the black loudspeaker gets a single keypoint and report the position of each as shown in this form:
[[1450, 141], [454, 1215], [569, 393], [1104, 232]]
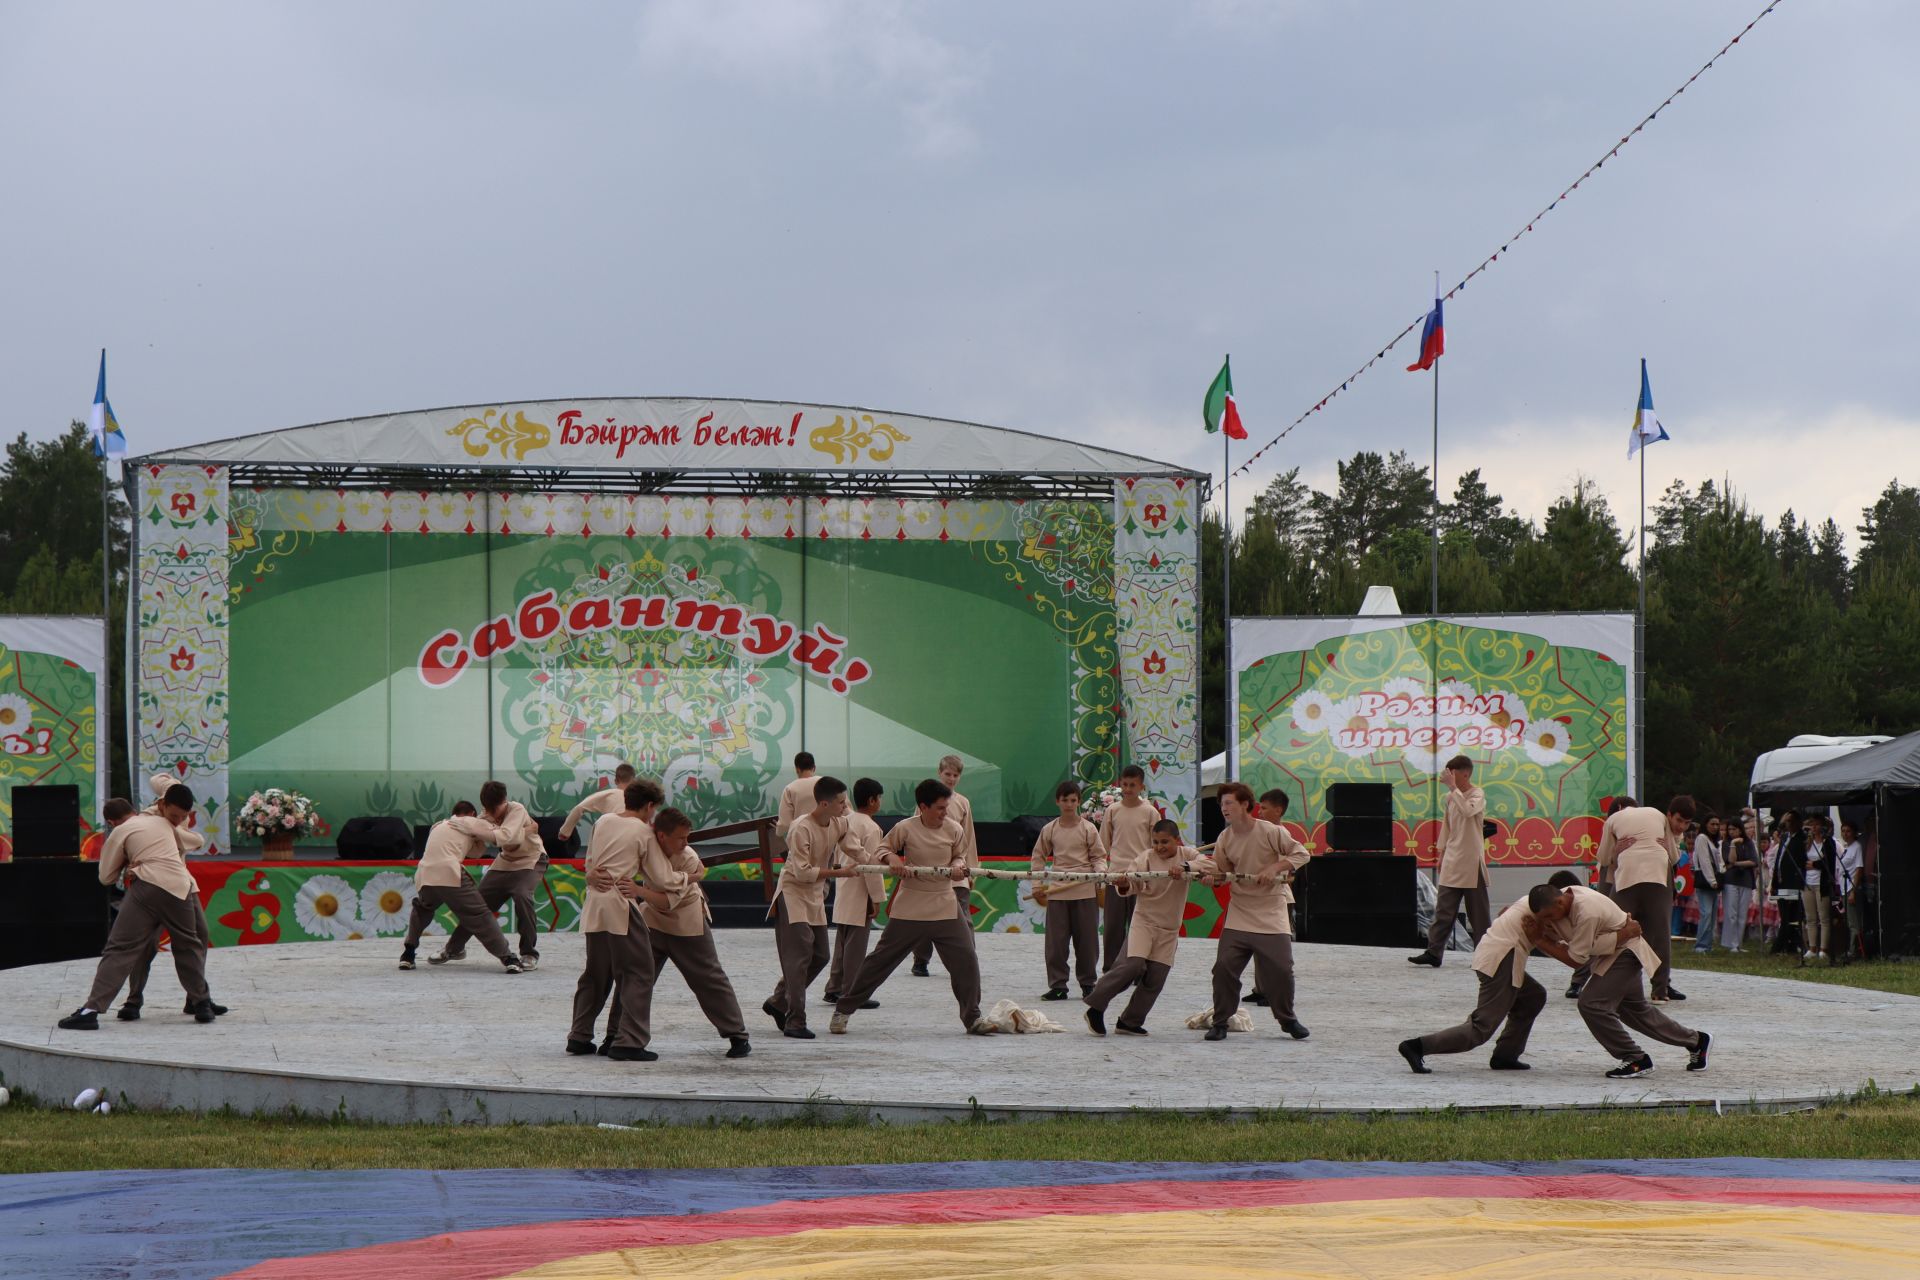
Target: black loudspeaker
[[46, 822], [1358, 899], [53, 910], [1347, 833], [375, 840], [1361, 800], [557, 847], [421, 830]]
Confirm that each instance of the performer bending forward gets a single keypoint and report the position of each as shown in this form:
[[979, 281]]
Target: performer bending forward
[[1507, 994], [678, 929], [440, 879], [514, 875], [619, 952], [1257, 927], [924, 909], [1151, 939]]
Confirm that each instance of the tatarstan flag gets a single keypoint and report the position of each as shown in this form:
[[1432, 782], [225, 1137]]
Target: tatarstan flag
[[1219, 410]]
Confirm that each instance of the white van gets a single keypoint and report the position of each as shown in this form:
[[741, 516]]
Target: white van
[[1803, 752]]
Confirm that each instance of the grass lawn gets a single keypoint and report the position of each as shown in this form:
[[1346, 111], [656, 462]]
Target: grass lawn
[[1902, 976]]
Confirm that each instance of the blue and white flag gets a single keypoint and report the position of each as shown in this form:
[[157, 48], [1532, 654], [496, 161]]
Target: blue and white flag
[[106, 432], [1646, 427]]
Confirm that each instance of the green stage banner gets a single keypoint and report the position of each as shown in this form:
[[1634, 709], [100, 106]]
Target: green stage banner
[[53, 675], [1539, 703]]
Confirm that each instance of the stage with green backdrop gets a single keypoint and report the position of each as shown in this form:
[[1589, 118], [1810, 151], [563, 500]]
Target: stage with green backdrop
[[383, 613], [1541, 703]]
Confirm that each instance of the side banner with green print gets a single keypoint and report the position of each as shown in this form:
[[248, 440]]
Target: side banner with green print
[[52, 696], [1539, 703]]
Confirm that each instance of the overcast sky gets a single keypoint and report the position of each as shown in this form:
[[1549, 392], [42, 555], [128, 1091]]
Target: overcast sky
[[1050, 216]]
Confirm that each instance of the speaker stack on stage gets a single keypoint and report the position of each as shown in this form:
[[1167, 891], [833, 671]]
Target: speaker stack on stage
[[52, 905], [1360, 892]]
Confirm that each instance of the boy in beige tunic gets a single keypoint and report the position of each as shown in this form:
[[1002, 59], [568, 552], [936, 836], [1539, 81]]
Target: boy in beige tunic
[[960, 810], [679, 928], [1639, 849], [619, 952], [1462, 874], [1507, 993], [514, 875], [1151, 939], [1272, 809], [857, 899], [1581, 926], [147, 847], [191, 841], [1257, 927], [1126, 832], [608, 800], [796, 798], [800, 904], [924, 909], [440, 879], [1071, 843]]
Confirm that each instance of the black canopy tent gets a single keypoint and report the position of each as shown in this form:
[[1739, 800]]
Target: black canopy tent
[[1885, 778]]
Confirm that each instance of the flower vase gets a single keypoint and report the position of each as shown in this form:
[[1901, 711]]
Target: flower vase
[[277, 848]]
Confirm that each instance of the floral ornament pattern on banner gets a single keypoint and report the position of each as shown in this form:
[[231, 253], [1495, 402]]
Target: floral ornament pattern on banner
[[1507, 244], [182, 613], [1157, 558], [47, 730]]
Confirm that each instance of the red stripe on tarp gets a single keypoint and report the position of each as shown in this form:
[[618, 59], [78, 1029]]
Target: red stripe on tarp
[[505, 1250]]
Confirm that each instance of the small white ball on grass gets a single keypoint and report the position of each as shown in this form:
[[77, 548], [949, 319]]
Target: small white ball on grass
[[86, 1100], [104, 1109], [6, 1095]]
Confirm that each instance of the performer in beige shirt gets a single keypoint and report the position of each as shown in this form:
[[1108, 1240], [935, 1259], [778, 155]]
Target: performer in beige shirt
[[514, 875], [1257, 927], [1151, 938], [160, 892], [680, 930], [1126, 831], [608, 800], [440, 880], [619, 952], [1577, 926], [800, 904], [924, 909], [857, 899], [191, 841], [1639, 849], [796, 798], [960, 810], [1507, 994], [1271, 808], [1461, 876], [1070, 843]]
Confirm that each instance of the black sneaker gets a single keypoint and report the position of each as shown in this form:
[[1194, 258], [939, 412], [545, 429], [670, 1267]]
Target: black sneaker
[[1055, 993], [1096, 1022], [1128, 1029], [1426, 958], [606, 1047], [1257, 997], [738, 1047], [406, 960], [1295, 1028], [1218, 1031], [128, 1013], [203, 1012], [921, 971], [778, 1015], [620, 1053], [1085, 992], [82, 1019], [796, 1033], [1509, 1064], [218, 1009], [580, 1048], [1410, 1050], [1573, 990], [1640, 1066], [1675, 995], [830, 997], [1697, 1059]]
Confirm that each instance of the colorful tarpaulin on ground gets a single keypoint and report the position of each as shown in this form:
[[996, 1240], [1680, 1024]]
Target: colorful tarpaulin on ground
[[1648, 1219]]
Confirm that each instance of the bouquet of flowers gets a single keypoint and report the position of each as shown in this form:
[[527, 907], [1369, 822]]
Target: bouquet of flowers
[[1096, 803], [274, 814]]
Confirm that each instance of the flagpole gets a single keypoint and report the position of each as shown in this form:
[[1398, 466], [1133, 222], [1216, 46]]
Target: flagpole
[[105, 736], [1226, 576], [1434, 521], [1640, 627]]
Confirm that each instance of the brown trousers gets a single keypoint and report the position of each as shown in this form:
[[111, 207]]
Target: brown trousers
[[1118, 918], [698, 961], [143, 967], [499, 887], [1076, 923], [474, 918], [622, 962], [1500, 1001], [143, 913], [1145, 976], [1651, 905], [923, 951], [1272, 957], [1447, 908], [803, 955], [952, 939], [849, 951], [1616, 997]]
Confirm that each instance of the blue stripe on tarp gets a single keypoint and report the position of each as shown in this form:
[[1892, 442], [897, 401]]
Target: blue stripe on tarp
[[196, 1224]]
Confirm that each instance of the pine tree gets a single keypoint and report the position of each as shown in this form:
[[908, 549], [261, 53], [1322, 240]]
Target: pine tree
[[1577, 562]]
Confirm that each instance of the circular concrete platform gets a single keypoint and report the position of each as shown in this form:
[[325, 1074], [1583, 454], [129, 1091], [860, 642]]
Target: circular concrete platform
[[336, 1029]]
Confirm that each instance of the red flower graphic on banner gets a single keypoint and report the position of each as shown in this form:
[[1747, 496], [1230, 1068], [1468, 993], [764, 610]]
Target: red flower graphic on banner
[[258, 919], [184, 504], [1154, 664], [1154, 513], [180, 659]]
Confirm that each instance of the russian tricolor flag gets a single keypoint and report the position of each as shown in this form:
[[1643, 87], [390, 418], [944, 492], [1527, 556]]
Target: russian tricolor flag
[[1433, 339]]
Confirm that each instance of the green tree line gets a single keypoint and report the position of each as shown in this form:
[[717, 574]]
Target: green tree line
[[1756, 630]]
